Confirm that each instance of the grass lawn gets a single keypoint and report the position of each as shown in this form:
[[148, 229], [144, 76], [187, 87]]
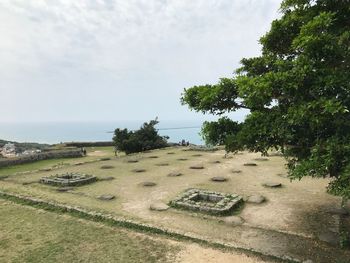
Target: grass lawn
[[30, 235]]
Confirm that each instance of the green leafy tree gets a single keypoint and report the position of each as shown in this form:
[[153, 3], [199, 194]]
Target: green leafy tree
[[297, 91], [219, 132], [146, 138]]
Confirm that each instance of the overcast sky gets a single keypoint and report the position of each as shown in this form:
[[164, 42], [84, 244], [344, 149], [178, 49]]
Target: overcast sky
[[88, 60]]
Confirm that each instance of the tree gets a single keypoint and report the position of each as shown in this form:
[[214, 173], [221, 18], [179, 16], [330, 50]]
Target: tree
[[219, 132], [146, 138], [297, 91]]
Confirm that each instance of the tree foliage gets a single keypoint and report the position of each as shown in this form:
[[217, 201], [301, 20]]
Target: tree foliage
[[146, 138], [297, 91], [219, 132]]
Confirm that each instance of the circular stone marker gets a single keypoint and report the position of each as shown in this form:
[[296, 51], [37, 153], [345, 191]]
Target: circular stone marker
[[106, 197], [64, 189], [162, 164], [250, 164], [261, 159], [107, 167], [174, 174], [132, 161], [272, 184], [197, 167], [158, 207], [139, 170], [236, 171], [148, 184], [219, 179], [233, 220], [256, 199]]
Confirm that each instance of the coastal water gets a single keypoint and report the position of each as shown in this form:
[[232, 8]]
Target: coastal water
[[56, 132]]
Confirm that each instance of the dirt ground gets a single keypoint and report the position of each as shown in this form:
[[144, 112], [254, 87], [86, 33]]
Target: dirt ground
[[293, 217], [193, 253]]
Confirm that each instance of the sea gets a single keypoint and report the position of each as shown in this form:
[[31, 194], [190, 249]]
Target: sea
[[58, 132]]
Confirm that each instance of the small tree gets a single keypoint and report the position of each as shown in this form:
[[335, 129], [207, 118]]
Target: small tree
[[219, 132], [146, 138], [297, 91]]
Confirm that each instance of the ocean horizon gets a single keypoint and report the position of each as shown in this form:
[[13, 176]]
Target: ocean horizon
[[58, 132]]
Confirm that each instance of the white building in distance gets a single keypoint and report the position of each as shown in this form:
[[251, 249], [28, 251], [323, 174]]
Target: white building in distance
[[9, 150]]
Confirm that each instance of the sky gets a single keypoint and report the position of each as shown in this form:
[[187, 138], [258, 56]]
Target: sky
[[107, 60]]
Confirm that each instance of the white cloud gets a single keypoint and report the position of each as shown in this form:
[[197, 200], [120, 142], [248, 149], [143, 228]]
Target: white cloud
[[115, 56]]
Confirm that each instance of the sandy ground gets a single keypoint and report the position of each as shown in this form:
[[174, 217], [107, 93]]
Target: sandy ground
[[195, 253]]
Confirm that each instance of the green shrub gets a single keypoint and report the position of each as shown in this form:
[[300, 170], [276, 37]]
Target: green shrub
[[144, 139]]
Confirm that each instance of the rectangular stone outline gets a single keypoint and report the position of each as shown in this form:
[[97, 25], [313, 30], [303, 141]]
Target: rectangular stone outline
[[223, 204], [56, 181]]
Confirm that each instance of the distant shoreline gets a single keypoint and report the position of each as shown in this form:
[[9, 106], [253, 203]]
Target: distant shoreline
[[59, 132]]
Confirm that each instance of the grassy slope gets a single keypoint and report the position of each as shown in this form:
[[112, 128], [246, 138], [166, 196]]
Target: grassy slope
[[30, 235]]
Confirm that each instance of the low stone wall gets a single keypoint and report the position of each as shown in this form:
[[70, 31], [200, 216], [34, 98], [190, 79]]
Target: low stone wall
[[72, 153]]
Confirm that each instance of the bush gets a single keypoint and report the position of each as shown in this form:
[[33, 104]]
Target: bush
[[144, 139]]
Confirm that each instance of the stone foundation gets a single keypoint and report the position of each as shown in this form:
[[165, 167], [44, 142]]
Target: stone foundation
[[68, 179], [209, 202]]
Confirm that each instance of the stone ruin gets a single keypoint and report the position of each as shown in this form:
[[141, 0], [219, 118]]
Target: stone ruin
[[68, 179], [209, 202]]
